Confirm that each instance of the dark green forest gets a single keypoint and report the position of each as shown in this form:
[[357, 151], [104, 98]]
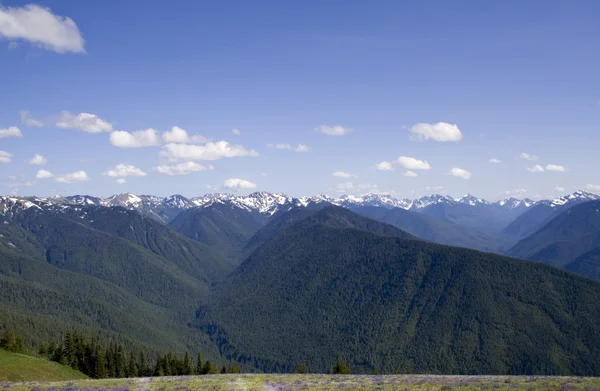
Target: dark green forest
[[319, 288], [314, 284]]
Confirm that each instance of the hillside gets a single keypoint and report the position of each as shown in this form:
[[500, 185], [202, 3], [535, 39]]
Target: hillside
[[323, 287], [587, 264], [489, 219], [16, 367], [224, 227], [191, 256], [57, 272], [566, 237], [432, 228], [543, 212]]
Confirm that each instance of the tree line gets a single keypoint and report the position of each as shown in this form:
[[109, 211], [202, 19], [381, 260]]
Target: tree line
[[99, 360]]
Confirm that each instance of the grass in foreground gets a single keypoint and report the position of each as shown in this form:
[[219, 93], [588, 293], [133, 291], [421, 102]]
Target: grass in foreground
[[320, 383], [18, 367]]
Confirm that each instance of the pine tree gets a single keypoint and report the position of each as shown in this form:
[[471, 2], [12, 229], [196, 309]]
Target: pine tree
[[120, 362], [143, 368], [234, 369], [7, 339], [223, 369], [209, 368], [302, 368], [340, 367], [43, 351], [132, 368], [100, 371], [68, 349], [187, 365], [199, 365]]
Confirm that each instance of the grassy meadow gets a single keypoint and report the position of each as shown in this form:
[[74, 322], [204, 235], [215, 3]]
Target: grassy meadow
[[235, 382], [16, 367]]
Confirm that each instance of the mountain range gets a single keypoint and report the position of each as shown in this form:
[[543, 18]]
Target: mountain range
[[271, 281]]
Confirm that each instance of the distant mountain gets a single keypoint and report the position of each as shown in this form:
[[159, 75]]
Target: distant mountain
[[544, 211], [165, 209], [432, 228], [565, 238], [224, 227], [474, 213], [335, 283], [587, 264]]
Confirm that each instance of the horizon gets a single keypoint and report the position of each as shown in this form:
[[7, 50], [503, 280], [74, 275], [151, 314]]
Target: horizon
[[340, 197]]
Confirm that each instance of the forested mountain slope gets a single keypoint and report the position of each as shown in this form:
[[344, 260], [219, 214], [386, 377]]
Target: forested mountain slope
[[433, 229], [565, 238], [323, 287]]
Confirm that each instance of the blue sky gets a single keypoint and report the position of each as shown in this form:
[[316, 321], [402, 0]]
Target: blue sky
[[449, 84]]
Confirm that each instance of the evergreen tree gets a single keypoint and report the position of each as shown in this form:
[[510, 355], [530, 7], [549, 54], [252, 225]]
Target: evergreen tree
[[187, 365], [302, 368], [223, 369], [7, 339], [143, 367], [199, 365], [43, 351], [100, 371], [340, 367], [132, 368], [120, 362], [209, 368], [68, 349]]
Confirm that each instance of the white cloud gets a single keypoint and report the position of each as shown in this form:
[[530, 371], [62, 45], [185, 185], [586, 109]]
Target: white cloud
[[238, 184], [123, 170], [121, 181], [5, 157], [209, 151], [335, 130], [302, 148], [11, 131], [410, 163], [536, 168], [44, 174], [410, 173], [526, 156], [27, 120], [344, 187], [341, 174], [86, 122], [559, 189], [299, 148], [182, 168], [593, 187], [349, 187], [495, 161], [441, 131], [40, 26], [555, 168], [517, 192], [459, 172], [77, 176], [38, 160], [235, 131], [136, 139], [178, 135], [384, 166]]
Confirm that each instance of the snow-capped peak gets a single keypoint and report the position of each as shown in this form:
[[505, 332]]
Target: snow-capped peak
[[471, 200], [578, 196]]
